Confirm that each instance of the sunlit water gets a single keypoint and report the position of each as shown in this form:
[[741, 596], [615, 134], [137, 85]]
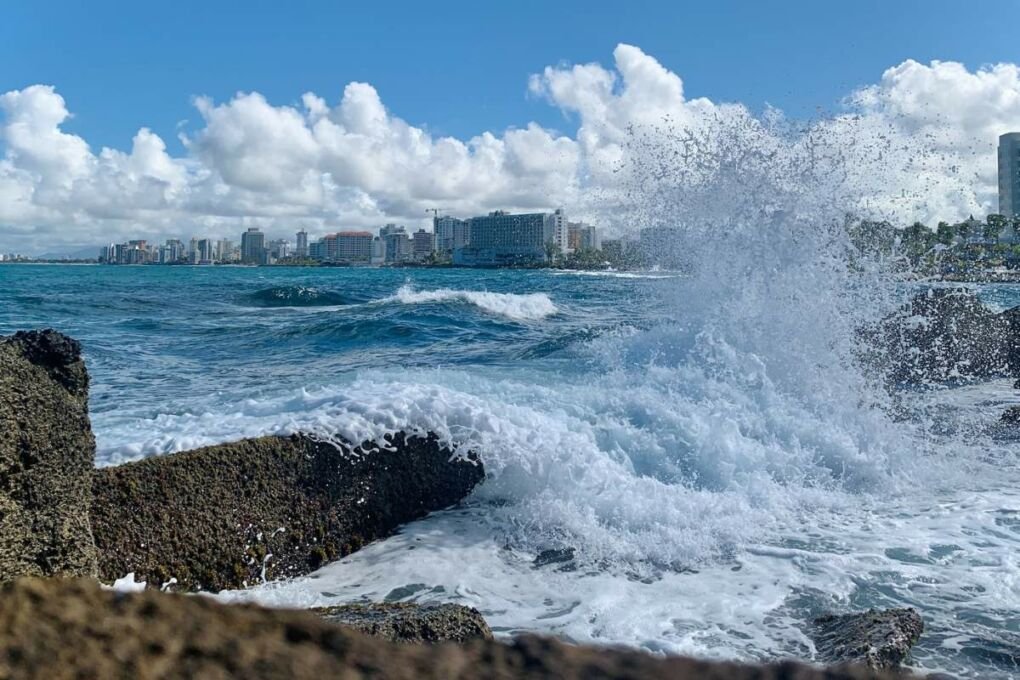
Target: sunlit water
[[722, 471]]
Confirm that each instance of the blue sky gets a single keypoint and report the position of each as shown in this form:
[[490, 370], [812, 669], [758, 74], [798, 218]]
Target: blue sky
[[460, 68]]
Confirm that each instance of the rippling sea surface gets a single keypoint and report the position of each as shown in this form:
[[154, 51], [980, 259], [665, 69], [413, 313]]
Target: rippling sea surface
[[720, 469]]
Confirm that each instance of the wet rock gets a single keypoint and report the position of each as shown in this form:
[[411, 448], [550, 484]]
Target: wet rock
[[1007, 427], [236, 514], [554, 556], [1011, 417], [70, 628], [408, 622], [46, 457], [942, 335], [879, 639]]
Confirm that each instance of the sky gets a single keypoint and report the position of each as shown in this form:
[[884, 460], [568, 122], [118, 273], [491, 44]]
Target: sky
[[166, 119]]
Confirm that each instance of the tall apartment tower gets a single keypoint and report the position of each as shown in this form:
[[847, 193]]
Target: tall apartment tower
[[253, 246], [301, 249], [1009, 174]]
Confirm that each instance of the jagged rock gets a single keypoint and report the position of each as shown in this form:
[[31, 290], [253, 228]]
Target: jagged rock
[[408, 622], [235, 514], [68, 628], [941, 335], [46, 457], [878, 639]]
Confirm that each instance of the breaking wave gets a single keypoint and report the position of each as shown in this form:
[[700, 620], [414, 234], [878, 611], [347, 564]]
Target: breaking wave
[[530, 307]]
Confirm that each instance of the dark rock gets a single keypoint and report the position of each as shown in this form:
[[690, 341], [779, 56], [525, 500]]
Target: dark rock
[[1008, 425], [942, 335], [553, 556], [878, 639], [66, 628], [408, 622], [58, 355], [46, 458], [235, 514]]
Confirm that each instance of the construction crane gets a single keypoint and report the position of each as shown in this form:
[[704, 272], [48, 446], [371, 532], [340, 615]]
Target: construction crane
[[435, 213]]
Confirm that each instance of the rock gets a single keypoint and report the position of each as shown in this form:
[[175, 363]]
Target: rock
[[941, 335], [1010, 417], [70, 628], [46, 457], [236, 514], [878, 639], [553, 556], [408, 622], [1007, 427]]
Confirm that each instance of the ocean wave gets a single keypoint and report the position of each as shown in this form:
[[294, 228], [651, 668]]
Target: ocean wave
[[294, 296], [528, 307], [620, 275]]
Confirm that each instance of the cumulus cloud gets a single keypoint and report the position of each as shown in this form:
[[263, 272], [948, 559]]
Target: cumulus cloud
[[922, 140]]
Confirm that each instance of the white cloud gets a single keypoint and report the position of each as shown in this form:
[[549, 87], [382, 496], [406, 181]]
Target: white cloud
[[921, 140]]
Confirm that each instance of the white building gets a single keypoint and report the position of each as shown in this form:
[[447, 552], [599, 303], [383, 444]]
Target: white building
[[378, 250]]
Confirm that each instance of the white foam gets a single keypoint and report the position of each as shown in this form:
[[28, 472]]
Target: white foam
[[619, 275], [528, 307]]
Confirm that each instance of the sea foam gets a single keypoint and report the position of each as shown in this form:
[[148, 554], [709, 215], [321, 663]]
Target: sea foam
[[529, 307]]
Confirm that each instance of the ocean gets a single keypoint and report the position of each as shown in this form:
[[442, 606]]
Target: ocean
[[705, 442]]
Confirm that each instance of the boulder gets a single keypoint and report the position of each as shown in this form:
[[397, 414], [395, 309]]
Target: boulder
[[71, 628], [877, 639], [232, 515], [409, 622], [943, 334], [46, 457]]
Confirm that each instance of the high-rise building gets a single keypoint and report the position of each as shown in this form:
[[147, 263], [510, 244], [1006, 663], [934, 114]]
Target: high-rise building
[[378, 250], [399, 247], [421, 245], [317, 250], [344, 246], [301, 239], [253, 247], [560, 228], [582, 236], [224, 250], [450, 234], [500, 238], [1009, 174], [279, 249], [206, 250], [661, 246], [354, 246], [174, 250]]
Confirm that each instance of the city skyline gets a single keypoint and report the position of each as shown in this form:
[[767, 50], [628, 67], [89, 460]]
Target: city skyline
[[498, 238]]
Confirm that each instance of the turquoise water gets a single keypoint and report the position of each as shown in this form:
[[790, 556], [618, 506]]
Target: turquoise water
[[159, 338], [705, 443]]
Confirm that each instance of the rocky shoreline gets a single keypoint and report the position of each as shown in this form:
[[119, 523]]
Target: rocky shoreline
[[236, 514]]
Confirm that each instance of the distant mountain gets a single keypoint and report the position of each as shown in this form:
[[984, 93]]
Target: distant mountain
[[71, 253]]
